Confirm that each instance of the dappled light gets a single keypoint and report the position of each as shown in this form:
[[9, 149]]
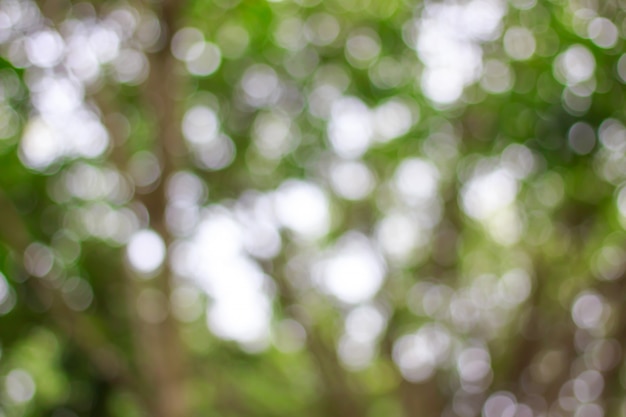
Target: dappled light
[[351, 180], [352, 271], [318, 208], [20, 386], [145, 251], [303, 208]]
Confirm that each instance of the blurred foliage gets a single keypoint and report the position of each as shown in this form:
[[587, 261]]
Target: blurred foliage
[[314, 208]]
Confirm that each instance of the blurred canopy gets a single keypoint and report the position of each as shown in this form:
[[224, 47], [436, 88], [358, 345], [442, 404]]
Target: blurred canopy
[[336, 208]]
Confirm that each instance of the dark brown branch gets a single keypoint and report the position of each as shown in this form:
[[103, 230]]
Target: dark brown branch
[[159, 350]]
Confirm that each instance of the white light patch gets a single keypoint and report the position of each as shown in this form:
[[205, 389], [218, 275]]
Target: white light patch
[[473, 364], [262, 240], [612, 135], [229, 276], [603, 32], [485, 194], [355, 354], [581, 138], [215, 259], [519, 43], [77, 294], [504, 226], [38, 259], [321, 99], [365, 323], [303, 207], [574, 66], [56, 96], [217, 154], [64, 127], [203, 59], [184, 40], [350, 129], [290, 33], [497, 77], [518, 160], [200, 125], [354, 271], [261, 237], [218, 261], [131, 66], [392, 120], [414, 357], [261, 85], [399, 235], [500, 404], [45, 49], [322, 29], [352, 180], [104, 43], [39, 146], [4, 289], [443, 85], [449, 45], [144, 168], [219, 234], [272, 134], [513, 288], [588, 386], [362, 47], [481, 19], [417, 355], [243, 317], [589, 311], [20, 386], [416, 180], [89, 182], [145, 251]]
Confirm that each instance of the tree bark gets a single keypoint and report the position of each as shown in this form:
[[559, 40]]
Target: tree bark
[[160, 353]]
